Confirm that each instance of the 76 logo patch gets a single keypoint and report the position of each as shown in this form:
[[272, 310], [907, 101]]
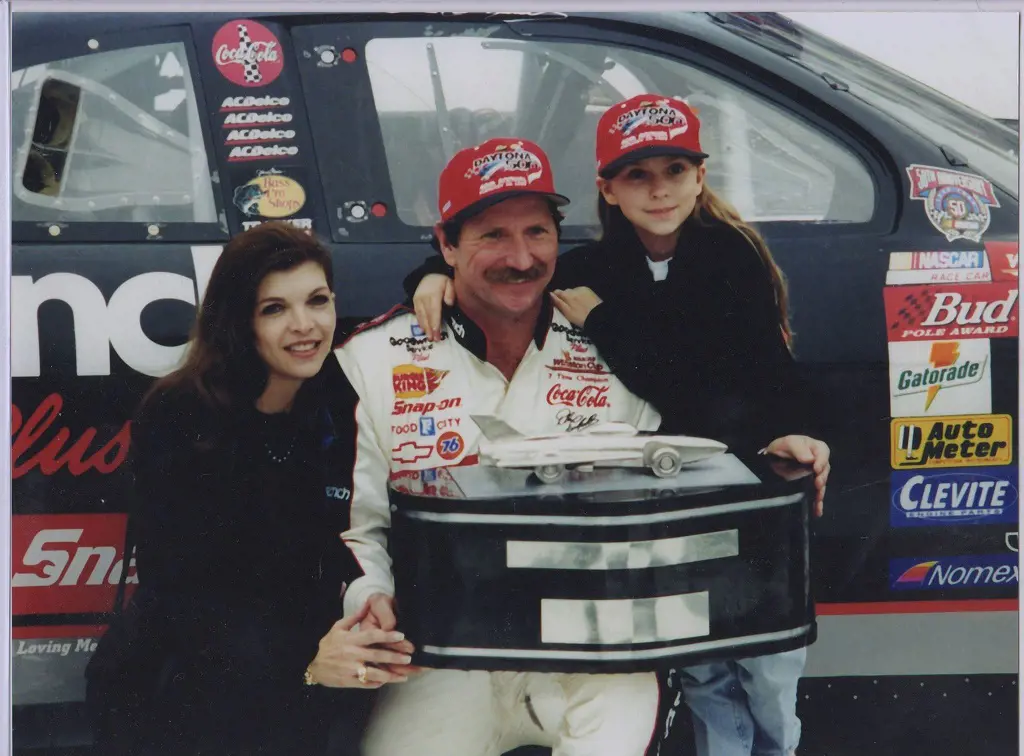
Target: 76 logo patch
[[450, 445]]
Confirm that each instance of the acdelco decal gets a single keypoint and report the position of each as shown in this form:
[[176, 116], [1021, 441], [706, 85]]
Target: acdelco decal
[[247, 53], [939, 378], [412, 381], [980, 571], [261, 152], [936, 312], [232, 120], [253, 136], [1003, 257], [67, 564], [950, 266], [250, 102], [964, 497], [953, 441]]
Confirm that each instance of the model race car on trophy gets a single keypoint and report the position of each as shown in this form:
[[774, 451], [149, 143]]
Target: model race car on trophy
[[602, 445]]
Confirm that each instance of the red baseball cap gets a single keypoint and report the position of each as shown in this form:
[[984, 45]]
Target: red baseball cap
[[644, 126], [499, 169]]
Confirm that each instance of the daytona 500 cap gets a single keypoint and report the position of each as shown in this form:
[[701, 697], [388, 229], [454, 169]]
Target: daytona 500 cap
[[644, 126], [499, 169]]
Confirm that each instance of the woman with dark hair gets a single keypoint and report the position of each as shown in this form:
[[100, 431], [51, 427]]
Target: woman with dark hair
[[242, 475]]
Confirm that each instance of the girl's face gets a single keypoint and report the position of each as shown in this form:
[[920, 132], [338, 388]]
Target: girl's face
[[655, 194], [294, 322]]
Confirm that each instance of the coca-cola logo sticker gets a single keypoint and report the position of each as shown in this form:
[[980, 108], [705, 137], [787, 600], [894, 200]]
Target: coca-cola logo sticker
[[247, 53]]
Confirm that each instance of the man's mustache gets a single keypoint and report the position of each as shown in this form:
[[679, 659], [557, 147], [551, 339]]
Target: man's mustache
[[514, 275]]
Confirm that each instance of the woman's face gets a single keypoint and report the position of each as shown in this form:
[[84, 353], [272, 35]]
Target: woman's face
[[294, 322], [655, 194]]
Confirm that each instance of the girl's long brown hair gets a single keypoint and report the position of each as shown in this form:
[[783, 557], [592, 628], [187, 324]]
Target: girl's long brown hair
[[615, 227], [222, 367]]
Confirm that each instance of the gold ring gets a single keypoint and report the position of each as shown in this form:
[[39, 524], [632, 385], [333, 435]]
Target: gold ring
[[361, 674]]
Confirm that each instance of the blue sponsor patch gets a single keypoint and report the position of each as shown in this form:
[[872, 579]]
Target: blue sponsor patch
[[975, 496], [429, 476], [427, 426], [416, 331], [981, 571]]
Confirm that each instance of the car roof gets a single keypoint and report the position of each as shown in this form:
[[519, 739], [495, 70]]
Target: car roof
[[32, 29]]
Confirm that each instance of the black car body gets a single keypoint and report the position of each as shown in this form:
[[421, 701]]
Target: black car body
[[141, 142]]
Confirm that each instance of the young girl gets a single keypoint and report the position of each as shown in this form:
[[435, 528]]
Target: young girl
[[688, 308]]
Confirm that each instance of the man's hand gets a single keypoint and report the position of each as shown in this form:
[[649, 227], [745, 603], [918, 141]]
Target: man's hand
[[433, 289], [344, 651], [380, 614], [807, 451], [576, 303]]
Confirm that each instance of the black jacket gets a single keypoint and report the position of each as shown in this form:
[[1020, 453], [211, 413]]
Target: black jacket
[[703, 346], [242, 558]]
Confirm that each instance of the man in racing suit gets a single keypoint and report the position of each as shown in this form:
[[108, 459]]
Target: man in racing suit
[[504, 352]]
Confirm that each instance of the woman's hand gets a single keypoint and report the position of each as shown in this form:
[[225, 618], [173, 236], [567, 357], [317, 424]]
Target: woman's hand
[[345, 652], [807, 451], [433, 289], [576, 303]]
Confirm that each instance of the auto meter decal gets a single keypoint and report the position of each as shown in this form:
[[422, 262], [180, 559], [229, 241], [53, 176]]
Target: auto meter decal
[[986, 496], [952, 441], [936, 312], [950, 266], [956, 203], [247, 53], [940, 377], [270, 194], [1003, 258]]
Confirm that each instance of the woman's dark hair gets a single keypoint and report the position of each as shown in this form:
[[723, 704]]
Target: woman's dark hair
[[222, 367], [453, 228], [616, 229]]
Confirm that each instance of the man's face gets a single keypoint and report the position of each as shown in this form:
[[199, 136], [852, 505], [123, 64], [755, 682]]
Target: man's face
[[505, 257]]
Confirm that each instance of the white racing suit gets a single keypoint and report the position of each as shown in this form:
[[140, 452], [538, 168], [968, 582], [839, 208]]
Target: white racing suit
[[415, 402]]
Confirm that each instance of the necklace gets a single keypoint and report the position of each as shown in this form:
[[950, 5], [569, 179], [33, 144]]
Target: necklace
[[280, 456]]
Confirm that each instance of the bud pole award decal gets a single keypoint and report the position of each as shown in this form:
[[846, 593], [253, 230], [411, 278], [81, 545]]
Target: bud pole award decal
[[956, 203], [922, 313], [247, 53]]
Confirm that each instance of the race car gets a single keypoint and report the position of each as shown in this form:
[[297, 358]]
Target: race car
[[141, 142], [611, 444]]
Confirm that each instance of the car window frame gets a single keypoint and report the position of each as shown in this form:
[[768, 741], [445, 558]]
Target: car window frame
[[673, 46], [26, 231]]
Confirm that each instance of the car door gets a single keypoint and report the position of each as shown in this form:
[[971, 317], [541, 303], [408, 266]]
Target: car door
[[117, 218]]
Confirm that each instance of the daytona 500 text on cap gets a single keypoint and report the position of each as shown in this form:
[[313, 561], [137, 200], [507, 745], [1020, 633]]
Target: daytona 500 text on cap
[[498, 169], [644, 126]]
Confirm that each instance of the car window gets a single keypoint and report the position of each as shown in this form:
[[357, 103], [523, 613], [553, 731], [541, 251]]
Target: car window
[[110, 137], [436, 95]]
